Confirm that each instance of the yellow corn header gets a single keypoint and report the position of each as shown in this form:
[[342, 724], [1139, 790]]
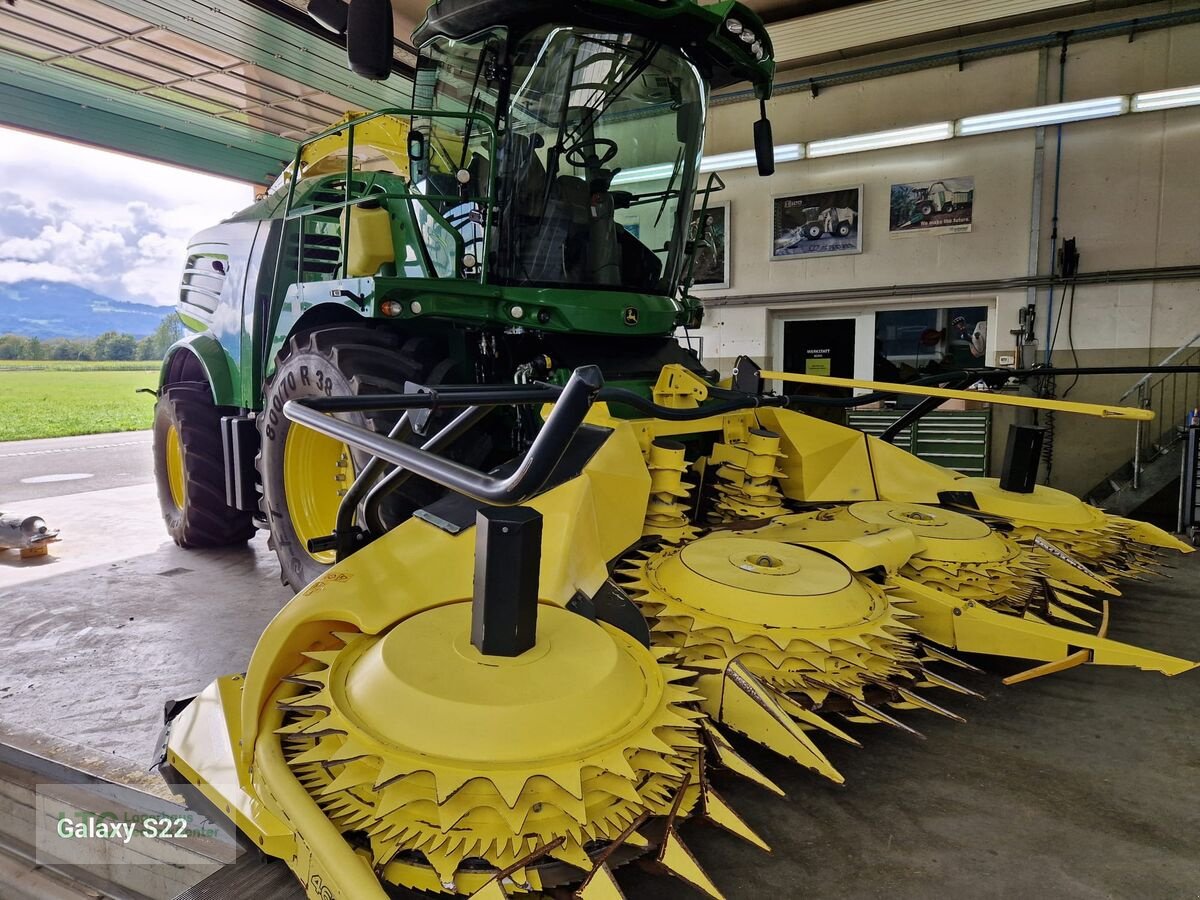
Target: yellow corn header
[[409, 720]]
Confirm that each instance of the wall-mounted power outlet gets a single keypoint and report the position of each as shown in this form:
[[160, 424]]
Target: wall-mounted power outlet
[[1006, 359]]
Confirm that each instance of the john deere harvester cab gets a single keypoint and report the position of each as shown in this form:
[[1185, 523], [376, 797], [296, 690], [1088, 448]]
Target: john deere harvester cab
[[527, 214], [601, 127]]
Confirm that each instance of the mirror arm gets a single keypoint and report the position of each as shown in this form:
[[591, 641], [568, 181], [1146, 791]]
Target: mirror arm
[[331, 15], [764, 141]]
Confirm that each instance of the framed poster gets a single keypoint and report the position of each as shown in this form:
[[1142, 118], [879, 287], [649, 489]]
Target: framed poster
[[711, 269], [821, 223], [945, 206]]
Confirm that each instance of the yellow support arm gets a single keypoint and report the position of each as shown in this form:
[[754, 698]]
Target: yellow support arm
[[1127, 413]]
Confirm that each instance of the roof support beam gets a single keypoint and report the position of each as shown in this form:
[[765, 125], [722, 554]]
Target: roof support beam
[[251, 34], [74, 107]]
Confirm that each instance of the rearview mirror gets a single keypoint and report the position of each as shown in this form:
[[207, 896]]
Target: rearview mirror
[[369, 38], [329, 14], [416, 146], [764, 146]]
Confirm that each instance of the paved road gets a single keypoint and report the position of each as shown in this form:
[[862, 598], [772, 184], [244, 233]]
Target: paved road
[[55, 466]]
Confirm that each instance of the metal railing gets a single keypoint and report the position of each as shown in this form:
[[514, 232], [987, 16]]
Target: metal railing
[[1171, 396], [475, 123]]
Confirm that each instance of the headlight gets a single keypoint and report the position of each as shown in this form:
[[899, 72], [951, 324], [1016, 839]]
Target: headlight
[[757, 49], [748, 36], [733, 26]]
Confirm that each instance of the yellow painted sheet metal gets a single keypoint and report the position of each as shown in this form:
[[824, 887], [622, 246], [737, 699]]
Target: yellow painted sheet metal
[[201, 749], [822, 461], [974, 628], [386, 134], [739, 700], [1145, 533], [332, 865], [1084, 409], [902, 477], [416, 566]]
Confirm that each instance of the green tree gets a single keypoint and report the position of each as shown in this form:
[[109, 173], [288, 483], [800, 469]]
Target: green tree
[[12, 346], [155, 346], [115, 346], [34, 349], [122, 347], [62, 349]]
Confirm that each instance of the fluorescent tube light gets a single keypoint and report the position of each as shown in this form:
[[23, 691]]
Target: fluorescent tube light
[[722, 161], [1168, 99], [644, 173], [878, 140], [1035, 116], [788, 152], [744, 159]]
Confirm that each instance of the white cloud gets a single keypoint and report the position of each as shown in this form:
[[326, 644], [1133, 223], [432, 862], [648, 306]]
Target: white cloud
[[113, 223], [159, 246], [18, 270], [26, 249]]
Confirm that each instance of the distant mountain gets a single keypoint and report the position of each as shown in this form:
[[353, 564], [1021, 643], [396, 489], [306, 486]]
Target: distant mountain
[[52, 309]]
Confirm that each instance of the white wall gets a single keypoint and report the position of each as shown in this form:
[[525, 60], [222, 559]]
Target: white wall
[[1130, 194]]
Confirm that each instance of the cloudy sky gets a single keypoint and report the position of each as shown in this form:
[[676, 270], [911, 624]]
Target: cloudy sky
[[111, 223]]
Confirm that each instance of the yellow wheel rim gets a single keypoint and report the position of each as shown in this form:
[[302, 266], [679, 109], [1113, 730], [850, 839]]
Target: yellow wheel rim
[[175, 466], [317, 469]]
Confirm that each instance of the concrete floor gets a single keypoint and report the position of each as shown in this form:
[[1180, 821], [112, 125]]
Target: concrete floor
[[51, 467], [96, 636], [1080, 785]]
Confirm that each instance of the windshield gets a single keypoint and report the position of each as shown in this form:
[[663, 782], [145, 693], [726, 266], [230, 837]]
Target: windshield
[[599, 162]]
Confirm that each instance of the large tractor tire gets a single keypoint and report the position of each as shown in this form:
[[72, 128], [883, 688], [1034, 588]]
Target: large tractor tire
[[190, 473], [305, 473]]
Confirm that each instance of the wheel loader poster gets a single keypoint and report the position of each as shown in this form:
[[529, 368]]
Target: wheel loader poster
[[945, 206], [824, 223]]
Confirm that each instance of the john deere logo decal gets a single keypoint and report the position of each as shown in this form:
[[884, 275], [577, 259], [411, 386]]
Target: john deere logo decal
[[631, 315]]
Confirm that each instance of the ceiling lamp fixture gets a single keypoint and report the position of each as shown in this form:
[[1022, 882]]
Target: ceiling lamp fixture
[[1036, 116], [1011, 120], [662, 172], [1172, 98], [744, 158], [879, 140]]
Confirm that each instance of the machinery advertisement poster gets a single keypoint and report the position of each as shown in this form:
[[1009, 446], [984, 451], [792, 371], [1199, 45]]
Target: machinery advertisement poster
[[711, 269], [946, 206], [823, 223]]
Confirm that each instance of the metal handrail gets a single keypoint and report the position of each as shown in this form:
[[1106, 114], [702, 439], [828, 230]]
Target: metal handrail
[[1152, 395], [535, 468], [475, 120], [1166, 360]]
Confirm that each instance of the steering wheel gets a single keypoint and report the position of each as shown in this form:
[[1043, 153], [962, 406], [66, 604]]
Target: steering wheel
[[577, 157]]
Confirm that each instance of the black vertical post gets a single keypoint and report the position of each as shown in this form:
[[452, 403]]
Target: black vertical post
[[1189, 480], [508, 558], [1021, 456]]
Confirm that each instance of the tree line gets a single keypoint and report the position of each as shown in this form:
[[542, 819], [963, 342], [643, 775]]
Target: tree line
[[112, 345]]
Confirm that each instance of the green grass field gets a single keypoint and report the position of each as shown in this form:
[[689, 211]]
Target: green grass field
[[74, 398], [78, 365]]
